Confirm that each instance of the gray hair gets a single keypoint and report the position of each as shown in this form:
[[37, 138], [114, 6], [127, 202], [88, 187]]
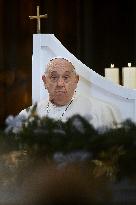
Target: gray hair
[[59, 57]]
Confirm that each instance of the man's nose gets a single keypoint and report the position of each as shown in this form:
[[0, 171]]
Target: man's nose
[[60, 82]]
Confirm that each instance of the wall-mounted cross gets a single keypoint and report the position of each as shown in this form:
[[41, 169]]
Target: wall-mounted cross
[[38, 17]]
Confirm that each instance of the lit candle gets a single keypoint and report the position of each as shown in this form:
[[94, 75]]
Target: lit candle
[[112, 74], [129, 76]]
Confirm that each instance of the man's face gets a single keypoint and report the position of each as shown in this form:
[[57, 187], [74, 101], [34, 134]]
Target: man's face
[[60, 81]]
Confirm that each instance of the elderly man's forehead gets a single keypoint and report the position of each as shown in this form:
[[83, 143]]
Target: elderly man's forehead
[[60, 63]]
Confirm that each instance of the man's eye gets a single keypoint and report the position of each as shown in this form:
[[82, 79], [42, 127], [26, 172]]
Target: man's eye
[[66, 77], [53, 77]]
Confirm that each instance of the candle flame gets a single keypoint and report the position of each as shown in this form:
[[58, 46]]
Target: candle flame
[[112, 65], [129, 64]]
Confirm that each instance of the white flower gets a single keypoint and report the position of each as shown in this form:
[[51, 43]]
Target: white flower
[[77, 123], [76, 156], [59, 131], [14, 124]]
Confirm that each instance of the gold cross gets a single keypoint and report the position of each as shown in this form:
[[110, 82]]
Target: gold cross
[[38, 17]]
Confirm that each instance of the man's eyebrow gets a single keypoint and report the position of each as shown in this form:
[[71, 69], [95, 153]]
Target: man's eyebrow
[[53, 72], [67, 72]]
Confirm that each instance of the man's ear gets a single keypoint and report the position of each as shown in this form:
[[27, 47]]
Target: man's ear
[[77, 78], [44, 80]]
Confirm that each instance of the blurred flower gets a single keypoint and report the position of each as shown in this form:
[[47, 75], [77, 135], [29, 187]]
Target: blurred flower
[[14, 124], [78, 124], [76, 156], [59, 131]]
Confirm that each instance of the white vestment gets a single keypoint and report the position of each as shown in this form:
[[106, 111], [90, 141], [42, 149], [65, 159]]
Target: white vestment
[[99, 114]]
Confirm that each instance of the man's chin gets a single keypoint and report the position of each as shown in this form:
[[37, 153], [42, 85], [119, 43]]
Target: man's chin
[[60, 95], [59, 101]]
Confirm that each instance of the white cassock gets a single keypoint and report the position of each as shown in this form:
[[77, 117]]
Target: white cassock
[[99, 114]]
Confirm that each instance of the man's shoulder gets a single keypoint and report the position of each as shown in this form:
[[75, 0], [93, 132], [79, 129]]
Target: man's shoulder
[[42, 103], [90, 100], [87, 104], [37, 106], [97, 105]]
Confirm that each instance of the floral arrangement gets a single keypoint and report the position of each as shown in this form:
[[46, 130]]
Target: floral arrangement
[[111, 152], [27, 142]]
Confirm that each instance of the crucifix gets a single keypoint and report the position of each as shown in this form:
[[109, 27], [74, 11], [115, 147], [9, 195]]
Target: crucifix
[[38, 17]]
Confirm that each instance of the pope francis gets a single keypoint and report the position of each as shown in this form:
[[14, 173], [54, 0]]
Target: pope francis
[[61, 79]]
